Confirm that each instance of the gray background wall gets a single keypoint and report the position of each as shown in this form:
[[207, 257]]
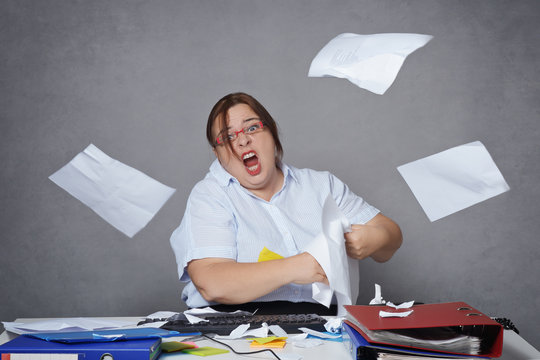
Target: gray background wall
[[138, 78]]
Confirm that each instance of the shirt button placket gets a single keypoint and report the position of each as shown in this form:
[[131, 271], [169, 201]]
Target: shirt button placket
[[281, 223]]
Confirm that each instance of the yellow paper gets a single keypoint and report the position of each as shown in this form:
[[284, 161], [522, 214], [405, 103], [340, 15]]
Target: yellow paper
[[205, 351], [266, 255], [267, 339], [171, 346], [272, 344]]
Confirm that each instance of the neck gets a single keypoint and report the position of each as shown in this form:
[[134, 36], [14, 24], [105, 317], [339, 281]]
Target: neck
[[272, 188]]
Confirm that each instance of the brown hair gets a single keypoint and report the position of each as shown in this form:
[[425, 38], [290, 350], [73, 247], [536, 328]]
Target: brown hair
[[219, 113]]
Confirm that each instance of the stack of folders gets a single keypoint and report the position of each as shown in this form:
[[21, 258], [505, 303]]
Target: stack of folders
[[432, 331], [125, 344]]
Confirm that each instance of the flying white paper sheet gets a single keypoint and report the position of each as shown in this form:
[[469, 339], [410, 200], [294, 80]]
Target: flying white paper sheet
[[328, 248], [454, 179], [123, 196], [371, 62]]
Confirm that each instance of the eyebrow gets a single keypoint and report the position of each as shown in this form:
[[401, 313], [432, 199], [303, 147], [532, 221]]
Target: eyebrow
[[244, 121]]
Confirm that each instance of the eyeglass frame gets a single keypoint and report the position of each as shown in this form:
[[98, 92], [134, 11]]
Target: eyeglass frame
[[219, 139]]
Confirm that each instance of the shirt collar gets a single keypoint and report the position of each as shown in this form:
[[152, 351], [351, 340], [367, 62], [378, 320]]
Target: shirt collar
[[224, 178], [287, 172]]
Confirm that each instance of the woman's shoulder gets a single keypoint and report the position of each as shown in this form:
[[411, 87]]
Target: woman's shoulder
[[307, 173], [208, 186]]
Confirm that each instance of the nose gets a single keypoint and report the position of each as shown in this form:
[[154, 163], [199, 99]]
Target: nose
[[242, 139]]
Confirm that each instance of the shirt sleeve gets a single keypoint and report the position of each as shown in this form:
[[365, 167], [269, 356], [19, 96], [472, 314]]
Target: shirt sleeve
[[354, 207], [208, 228]]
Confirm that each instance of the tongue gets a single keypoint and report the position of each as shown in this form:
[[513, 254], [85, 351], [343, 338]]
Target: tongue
[[251, 161]]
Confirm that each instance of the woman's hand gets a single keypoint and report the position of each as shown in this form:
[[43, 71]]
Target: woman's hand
[[358, 243], [379, 239], [308, 270]]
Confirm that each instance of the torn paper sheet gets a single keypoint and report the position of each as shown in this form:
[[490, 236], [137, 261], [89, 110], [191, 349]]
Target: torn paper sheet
[[454, 179], [194, 319], [319, 334], [371, 62], [123, 196], [328, 248], [161, 315], [405, 305], [202, 311], [377, 300], [197, 315], [400, 314], [334, 325], [244, 330]]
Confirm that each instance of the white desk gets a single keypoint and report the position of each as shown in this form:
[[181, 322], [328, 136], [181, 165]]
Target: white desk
[[514, 348]]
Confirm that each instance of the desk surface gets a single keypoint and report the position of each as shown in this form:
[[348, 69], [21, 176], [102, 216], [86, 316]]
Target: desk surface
[[514, 348]]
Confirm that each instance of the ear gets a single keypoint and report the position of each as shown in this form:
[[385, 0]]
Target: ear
[[216, 154]]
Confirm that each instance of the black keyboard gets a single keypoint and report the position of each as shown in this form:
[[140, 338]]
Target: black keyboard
[[224, 324]]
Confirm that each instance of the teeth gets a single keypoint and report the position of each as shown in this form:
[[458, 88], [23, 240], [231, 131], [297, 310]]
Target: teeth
[[247, 156], [253, 168]]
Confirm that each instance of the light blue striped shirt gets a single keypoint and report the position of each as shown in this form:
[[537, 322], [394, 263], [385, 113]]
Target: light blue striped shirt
[[225, 220]]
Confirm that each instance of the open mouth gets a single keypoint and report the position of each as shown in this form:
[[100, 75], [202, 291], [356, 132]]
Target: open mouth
[[251, 162]]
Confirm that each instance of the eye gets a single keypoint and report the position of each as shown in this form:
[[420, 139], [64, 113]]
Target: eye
[[253, 127], [231, 136]]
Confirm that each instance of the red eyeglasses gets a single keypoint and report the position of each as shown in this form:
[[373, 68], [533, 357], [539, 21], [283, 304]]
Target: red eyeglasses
[[251, 129]]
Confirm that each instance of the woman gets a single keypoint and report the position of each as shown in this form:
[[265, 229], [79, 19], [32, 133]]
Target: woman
[[249, 201]]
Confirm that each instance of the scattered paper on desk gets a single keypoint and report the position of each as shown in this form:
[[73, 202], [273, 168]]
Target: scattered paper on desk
[[334, 325], [400, 314], [277, 330], [454, 179], [209, 310], [267, 339], [276, 344], [371, 62], [405, 305], [244, 330], [123, 196], [201, 311], [328, 248], [319, 334], [193, 315], [194, 319], [377, 300], [161, 315], [64, 325]]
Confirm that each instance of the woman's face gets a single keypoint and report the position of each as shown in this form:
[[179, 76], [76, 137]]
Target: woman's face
[[253, 162]]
